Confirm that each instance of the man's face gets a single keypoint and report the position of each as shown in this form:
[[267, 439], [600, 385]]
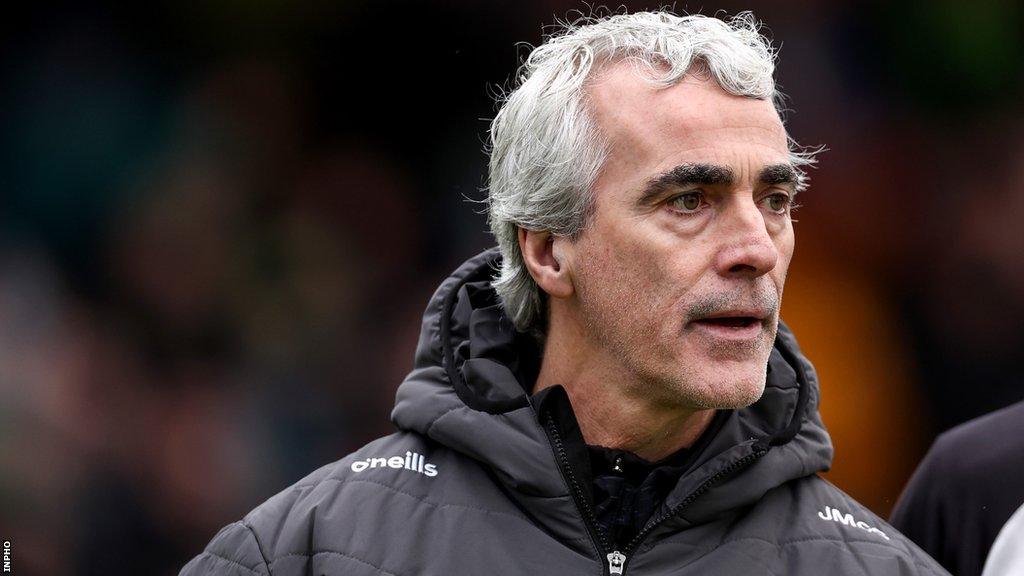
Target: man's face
[[679, 272]]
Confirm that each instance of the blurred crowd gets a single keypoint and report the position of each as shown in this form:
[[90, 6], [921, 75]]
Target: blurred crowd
[[219, 226]]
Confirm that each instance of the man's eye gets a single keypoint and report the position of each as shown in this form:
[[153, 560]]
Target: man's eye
[[688, 202], [778, 203]]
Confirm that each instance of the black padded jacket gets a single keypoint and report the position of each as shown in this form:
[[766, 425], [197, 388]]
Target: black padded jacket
[[476, 482]]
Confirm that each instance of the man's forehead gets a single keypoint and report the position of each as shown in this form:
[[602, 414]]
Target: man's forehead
[[628, 106]]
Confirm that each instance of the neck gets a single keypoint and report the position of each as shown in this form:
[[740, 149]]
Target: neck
[[608, 405]]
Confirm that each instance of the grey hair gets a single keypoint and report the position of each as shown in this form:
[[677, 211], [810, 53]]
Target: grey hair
[[545, 151]]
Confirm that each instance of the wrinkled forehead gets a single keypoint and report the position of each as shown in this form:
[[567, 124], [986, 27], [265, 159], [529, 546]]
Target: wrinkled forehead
[[631, 110]]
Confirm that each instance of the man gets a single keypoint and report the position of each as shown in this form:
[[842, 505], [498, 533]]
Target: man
[[622, 398], [965, 503]]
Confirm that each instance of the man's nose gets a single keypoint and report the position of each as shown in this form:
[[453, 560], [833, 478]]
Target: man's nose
[[746, 247]]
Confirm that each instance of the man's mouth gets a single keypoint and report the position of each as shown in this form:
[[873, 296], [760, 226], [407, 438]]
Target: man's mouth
[[731, 321], [733, 324]]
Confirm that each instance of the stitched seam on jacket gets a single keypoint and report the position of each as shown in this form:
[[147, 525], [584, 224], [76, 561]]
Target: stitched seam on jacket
[[782, 543], [441, 415], [417, 498], [332, 552], [230, 561], [424, 500], [707, 550], [259, 546], [347, 480]]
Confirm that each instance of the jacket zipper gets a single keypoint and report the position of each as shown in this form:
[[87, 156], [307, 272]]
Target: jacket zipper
[[617, 559], [718, 477]]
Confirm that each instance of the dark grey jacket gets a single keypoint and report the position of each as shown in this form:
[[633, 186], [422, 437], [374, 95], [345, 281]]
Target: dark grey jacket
[[475, 482]]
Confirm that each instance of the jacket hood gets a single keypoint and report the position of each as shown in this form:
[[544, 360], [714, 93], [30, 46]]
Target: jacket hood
[[468, 392]]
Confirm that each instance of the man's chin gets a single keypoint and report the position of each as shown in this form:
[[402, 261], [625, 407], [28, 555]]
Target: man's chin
[[729, 392], [736, 351]]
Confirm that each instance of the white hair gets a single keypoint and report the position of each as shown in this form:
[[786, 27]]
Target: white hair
[[545, 151]]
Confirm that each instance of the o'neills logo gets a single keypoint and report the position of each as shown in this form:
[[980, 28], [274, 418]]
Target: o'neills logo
[[411, 461]]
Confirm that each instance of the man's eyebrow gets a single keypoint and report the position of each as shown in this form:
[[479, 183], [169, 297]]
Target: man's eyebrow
[[685, 175], [779, 174]]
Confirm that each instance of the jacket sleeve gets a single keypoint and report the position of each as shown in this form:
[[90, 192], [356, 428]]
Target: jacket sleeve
[[234, 551]]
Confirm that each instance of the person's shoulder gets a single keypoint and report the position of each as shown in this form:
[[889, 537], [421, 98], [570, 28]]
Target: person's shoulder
[[821, 509], [386, 477], [233, 551], [810, 517], [966, 486], [965, 459], [394, 471], [985, 441], [322, 487]]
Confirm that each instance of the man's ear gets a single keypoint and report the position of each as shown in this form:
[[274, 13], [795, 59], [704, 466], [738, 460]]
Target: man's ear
[[545, 258]]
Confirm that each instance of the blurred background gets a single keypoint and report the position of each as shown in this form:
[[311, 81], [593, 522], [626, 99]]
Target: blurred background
[[220, 222]]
